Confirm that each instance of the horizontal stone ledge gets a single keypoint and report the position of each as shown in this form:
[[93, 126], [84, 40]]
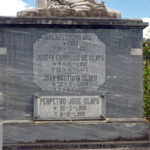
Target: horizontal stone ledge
[[108, 120], [74, 132], [125, 145], [71, 22]]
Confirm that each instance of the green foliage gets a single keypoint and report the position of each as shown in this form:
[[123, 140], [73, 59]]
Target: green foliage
[[146, 50]]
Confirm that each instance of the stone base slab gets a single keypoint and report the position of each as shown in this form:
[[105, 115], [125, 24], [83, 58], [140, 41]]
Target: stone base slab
[[92, 131]]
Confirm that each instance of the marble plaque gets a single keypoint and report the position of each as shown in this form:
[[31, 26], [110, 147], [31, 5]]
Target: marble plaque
[[69, 62], [69, 107]]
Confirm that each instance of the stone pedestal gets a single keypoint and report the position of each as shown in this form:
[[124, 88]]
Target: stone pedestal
[[71, 80]]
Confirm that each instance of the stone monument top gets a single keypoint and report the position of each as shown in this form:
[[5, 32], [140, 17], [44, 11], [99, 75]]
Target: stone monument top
[[70, 8]]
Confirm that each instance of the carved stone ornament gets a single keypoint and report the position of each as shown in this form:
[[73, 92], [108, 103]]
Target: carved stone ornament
[[70, 8]]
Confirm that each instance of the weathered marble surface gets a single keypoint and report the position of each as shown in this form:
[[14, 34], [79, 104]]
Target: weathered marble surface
[[74, 108], [75, 4], [124, 73], [123, 80], [1, 135], [56, 12], [74, 131], [71, 8]]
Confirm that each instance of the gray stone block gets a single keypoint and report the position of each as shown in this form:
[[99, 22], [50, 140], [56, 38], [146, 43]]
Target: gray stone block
[[74, 131], [1, 136], [28, 68], [121, 77]]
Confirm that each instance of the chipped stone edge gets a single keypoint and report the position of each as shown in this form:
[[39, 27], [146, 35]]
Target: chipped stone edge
[[108, 120]]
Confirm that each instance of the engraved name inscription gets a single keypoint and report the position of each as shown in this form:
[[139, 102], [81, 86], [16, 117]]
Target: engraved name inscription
[[68, 107], [69, 62]]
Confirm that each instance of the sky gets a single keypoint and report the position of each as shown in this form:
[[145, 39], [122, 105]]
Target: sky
[[129, 8]]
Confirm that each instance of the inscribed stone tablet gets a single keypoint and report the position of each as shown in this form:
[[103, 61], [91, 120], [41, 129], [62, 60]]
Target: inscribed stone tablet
[[69, 62], [69, 107]]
